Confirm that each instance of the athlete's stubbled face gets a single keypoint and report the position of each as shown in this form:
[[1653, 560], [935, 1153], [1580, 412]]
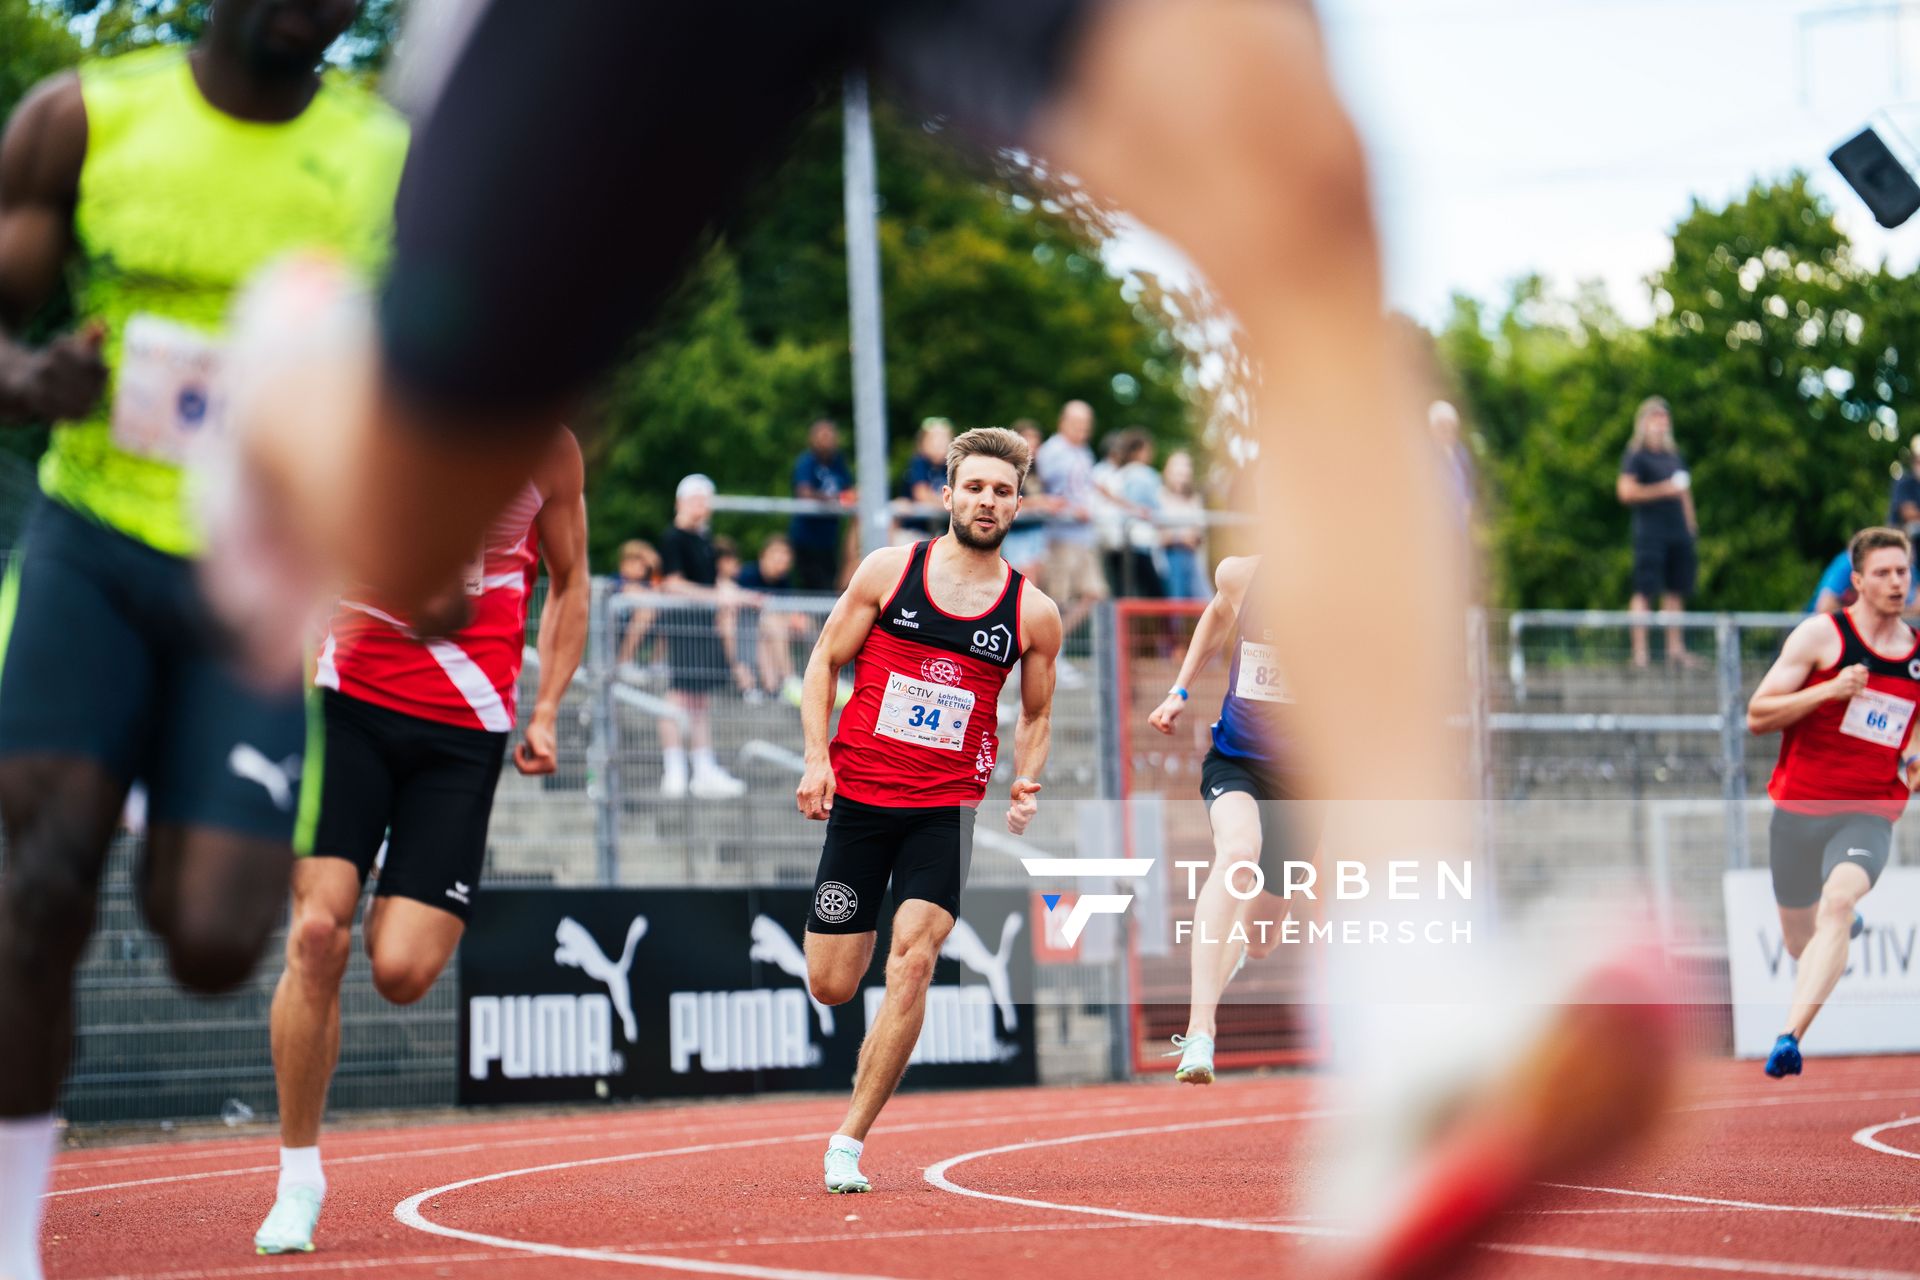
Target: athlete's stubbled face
[[1883, 581], [285, 37], [984, 497]]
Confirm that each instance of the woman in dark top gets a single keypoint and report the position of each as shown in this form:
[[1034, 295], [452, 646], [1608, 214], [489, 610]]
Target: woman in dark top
[[1656, 488]]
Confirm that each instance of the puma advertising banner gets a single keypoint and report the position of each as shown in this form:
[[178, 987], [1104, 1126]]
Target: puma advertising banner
[[568, 995]]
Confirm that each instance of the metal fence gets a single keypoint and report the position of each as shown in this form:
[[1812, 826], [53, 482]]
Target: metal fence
[[1595, 773]]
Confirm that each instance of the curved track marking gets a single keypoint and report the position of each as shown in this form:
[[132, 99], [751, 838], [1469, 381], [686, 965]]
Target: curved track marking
[[937, 1175], [1754, 1205], [1869, 1138], [408, 1211], [1734, 1266], [505, 1144]]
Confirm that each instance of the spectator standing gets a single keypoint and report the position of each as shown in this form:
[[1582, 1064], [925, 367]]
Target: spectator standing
[[926, 477], [1025, 547], [1903, 509], [1655, 486], [696, 648], [1443, 424], [821, 473], [1109, 516], [1183, 531], [1138, 487], [1065, 465]]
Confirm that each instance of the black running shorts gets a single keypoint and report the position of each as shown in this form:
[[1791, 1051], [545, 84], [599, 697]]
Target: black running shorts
[[1803, 850], [107, 653], [422, 788], [1289, 825], [924, 852]]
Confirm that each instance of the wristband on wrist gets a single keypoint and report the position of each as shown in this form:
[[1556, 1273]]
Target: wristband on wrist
[[1024, 778], [1181, 690], [1906, 762]]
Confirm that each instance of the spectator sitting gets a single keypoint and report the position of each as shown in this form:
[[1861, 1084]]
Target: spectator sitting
[[1183, 531], [1065, 464], [769, 634], [639, 576], [926, 477], [696, 648], [821, 473]]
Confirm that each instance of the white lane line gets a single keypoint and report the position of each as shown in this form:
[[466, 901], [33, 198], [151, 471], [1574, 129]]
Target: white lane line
[[1869, 1138], [1733, 1266], [409, 1211], [1825, 1211], [1796, 1098], [553, 1140], [305, 1265], [937, 1175], [756, 1242]]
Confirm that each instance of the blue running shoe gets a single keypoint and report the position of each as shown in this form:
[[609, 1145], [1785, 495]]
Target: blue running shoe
[[1859, 926], [1785, 1058]]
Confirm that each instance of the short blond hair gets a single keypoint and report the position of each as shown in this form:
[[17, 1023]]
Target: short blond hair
[[989, 442], [1878, 538]]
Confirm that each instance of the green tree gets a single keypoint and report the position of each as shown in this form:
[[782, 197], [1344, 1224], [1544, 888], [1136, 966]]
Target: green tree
[[119, 26], [996, 308], [1790, 368]]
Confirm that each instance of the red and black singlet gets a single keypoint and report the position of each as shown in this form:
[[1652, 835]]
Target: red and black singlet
[[1844, 757], [920, 729]]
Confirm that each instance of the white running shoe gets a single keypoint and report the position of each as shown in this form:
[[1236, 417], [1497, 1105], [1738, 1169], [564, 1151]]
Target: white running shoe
[[843, 1172], [1196, 1058], [716, 784], [673, 784], [289, 1225]]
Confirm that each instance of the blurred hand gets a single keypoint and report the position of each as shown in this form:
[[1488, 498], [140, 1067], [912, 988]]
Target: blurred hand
[[815, 792], [537, 752], [62, 380], [1848, 683], [444, 614], [1026, 803], [1163, 716]]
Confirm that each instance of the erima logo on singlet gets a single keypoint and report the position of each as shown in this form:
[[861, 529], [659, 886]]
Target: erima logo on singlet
[[905, 619]]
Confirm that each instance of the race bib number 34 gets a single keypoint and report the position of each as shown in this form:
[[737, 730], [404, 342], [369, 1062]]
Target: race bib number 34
[[927, 715], [166, 395], [1260, 679], [1879, 718]]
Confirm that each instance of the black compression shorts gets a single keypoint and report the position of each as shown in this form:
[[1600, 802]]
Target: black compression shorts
[[575, 155], [422, 789]]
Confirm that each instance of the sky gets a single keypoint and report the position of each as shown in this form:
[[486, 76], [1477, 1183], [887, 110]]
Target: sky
[[1567, 137]]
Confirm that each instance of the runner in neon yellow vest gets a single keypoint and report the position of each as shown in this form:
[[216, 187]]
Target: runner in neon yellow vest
[[157, 183]]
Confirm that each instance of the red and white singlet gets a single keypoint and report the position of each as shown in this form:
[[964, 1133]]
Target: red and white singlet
[[919, 732], [469, 679], [1845, 757]]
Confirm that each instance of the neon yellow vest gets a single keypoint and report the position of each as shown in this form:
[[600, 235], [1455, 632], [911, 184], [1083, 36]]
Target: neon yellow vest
[[179, 204]]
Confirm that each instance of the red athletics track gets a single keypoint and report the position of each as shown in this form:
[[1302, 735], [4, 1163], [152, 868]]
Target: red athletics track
[[1813, 1177]]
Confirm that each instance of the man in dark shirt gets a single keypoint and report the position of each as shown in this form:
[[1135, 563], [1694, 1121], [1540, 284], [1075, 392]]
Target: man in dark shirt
[[1903, 509], [697, 658], [1655, 486], [821, 473]]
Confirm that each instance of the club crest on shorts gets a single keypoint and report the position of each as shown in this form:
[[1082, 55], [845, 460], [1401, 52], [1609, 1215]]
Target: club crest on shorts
[[940, 671], [835, 903]]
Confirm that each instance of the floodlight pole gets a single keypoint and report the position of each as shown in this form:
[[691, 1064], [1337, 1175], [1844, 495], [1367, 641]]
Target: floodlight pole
[[863, 314]]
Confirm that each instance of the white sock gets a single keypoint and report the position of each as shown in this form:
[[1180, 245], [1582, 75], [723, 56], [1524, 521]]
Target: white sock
[[674, 761], [703, 761], [300, 1167], [842, 1142], [26, 1164]]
